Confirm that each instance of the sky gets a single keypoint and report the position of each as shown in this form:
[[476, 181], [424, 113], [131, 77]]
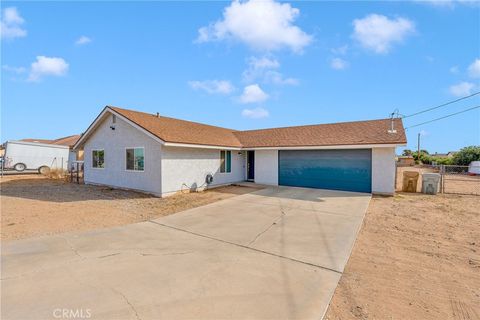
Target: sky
[[242, 65]]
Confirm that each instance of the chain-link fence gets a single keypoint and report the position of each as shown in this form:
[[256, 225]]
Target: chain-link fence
[[460, 179], [453, 179]]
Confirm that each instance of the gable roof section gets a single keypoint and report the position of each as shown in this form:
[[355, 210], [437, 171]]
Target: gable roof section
[[344, 133], [181, 131], [65, 141], [175, 131]]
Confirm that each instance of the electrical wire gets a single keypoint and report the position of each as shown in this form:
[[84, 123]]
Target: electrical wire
[[442, 105], [447, 116]]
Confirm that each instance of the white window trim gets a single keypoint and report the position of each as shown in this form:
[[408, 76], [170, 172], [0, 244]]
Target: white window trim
[[220, 155], [133, 170], [98, 168]]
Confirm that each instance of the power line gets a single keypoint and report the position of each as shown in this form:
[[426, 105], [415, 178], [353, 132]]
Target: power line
[[447, 116], [442, 105]]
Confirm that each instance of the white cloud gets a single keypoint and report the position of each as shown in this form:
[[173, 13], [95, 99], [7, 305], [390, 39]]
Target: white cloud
[[253, 93], [454, 70], [474, 69], [264, 63], [11, 24], [256, 113], [213, 86], [257, 68], [462, 89], [340, 50], [83, 40], [449, 3], [379, 33], [16, 70], [338, 64], [424, 133], [47, 66], [264, 69], [261, 24], [275, 77]]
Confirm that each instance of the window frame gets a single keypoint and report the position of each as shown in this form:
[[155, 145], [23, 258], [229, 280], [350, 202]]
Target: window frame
[[133, 170], [228, 161], [93, 150]]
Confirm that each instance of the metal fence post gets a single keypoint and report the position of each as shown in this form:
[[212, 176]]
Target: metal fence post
[[442, 173]]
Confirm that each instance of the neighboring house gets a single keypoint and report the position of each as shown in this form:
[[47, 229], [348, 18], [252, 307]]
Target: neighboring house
[[450, 154], [161, 155]]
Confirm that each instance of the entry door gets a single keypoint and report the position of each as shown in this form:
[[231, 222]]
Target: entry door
[[348, 170], [251, 165]]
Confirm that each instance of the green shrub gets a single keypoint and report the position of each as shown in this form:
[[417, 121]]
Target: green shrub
[[445, 161], [467, 155]]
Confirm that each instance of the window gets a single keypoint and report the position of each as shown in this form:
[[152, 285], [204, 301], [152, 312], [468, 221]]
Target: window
[[225, 161], [98, 159], [135, 159]]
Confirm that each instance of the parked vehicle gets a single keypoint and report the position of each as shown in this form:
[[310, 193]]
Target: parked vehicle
[[474, 168], [22, 155]]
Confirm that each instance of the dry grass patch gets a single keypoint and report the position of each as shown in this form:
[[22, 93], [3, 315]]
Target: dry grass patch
[[33, 205]]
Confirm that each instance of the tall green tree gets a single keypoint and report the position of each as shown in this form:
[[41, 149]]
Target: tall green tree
[[467, 155]]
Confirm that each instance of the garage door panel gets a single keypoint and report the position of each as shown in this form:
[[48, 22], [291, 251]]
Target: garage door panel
[[348, 170]]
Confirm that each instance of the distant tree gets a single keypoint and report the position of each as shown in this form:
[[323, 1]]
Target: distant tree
[[467, 155], [424, 151], [445, 161], [407, 152]]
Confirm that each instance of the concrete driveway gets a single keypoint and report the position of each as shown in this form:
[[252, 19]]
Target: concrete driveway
[[276, 253]]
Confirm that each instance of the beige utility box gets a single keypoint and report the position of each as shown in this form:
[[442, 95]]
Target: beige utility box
[[410, 180]]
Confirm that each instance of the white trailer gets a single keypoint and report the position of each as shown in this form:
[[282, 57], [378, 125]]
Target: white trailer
[[22, 155]]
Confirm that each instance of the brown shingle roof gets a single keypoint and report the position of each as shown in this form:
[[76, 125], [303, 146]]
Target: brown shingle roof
[[343, 133], [65, 141], [346, 133], [181, 131]]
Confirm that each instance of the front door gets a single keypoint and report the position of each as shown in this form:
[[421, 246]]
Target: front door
[[251, 165]]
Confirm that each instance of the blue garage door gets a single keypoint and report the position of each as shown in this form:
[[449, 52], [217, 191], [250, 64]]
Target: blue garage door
[[348, 170]]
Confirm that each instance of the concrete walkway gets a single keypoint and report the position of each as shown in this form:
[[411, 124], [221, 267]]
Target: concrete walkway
[[276, 253]]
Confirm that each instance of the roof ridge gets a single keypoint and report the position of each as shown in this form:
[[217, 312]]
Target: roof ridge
[[314, 125], [176, 119], [62, 138]]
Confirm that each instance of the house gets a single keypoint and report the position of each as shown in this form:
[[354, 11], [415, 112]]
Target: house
[[161, 155], [450, 154]]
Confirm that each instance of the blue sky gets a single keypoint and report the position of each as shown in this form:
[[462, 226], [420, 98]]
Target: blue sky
[[241, 65]]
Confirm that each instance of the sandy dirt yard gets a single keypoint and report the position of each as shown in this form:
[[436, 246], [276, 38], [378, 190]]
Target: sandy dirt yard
[[32, 205], [416, 257]]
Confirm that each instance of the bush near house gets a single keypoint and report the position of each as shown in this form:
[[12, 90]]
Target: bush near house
[[467, 155], [461, 158]]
